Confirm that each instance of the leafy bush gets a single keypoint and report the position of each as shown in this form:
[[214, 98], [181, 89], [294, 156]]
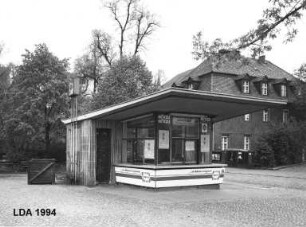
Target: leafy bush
[[264, 155], [281, 146]]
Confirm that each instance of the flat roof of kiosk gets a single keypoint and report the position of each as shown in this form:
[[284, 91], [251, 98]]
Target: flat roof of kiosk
[[219, 106]]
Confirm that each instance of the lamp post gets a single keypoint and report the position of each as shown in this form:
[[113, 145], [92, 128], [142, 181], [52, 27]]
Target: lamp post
[[47, 126]]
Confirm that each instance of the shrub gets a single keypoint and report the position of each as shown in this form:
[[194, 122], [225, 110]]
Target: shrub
[[281, 146]]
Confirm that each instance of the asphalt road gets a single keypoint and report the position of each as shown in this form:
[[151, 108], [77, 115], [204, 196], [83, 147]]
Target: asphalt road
[[247, 198]]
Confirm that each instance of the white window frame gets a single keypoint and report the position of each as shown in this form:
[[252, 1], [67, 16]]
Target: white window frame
[[264, 88], [265, 115], [224, 143], [283, 90], [247, 117], [285, 115], [247, 142], [246, 87]]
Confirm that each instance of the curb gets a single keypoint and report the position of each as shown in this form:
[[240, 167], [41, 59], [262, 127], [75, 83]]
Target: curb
[[286, 166]]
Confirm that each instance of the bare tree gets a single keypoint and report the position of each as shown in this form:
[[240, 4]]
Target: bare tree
[[102, 46], [114, 7], [135, 25], [145, 26]]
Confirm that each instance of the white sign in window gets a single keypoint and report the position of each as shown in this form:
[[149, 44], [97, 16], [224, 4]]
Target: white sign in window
[[184, 121], [149, 149], [204, 127], [205, 143], [163, 139], [189, 145]]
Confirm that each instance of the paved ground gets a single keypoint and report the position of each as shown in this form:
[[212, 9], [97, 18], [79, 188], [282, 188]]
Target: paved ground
[[247, 198]]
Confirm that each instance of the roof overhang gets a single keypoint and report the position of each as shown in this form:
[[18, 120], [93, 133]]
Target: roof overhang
[[177, 100]]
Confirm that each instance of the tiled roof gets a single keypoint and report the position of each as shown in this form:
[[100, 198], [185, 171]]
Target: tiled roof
[[251, 66], [177, 79]]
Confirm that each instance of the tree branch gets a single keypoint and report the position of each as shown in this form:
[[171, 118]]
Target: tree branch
[[271, 27], [146, 31]]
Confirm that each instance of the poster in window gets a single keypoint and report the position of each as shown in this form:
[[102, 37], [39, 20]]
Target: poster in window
[[204, 127], [163, 139], [189, 145], [205, 143], [149, 149]]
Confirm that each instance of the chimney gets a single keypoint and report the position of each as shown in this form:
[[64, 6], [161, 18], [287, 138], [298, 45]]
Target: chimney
[[224, 51], [262, 59], [229, 51]]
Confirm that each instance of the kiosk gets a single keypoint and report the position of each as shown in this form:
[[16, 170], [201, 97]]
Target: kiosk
[[160, 140]]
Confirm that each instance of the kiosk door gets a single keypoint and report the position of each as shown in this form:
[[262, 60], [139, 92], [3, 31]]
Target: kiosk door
[[103, 155]]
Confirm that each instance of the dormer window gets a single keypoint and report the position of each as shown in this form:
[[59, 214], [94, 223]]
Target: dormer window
[[190, 86], [283, 91], [191, 83], [280, 87], [246, 87], [264, 88]]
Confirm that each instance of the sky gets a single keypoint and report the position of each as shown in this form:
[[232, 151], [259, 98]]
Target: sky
[[66, 25]]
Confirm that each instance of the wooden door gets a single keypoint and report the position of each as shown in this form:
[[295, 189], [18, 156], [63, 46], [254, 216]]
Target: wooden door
[[103, 155]]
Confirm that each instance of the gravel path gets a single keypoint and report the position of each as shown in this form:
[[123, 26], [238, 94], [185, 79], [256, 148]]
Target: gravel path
[[239, 202], [293, 177]]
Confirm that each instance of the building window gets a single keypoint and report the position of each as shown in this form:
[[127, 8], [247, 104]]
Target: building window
[[247, 117], [265, 115], [264, 88], [190, 86], [246, 144], [283, 90], [246, 86], [185, 139], [224, 144], [285, 116], [164, 139], [139, 140], [299, 92]]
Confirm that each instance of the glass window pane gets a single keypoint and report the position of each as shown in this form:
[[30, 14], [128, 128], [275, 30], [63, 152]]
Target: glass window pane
[[192, 130], [129, 151], [131, 132], [145, 132], [178, 131], [190, 151], [163, 155], [138, 152], [185, 127], [177, 150], [138, 131]]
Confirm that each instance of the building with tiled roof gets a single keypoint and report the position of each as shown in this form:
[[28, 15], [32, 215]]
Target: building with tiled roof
[[234, 138], [253, 67]]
